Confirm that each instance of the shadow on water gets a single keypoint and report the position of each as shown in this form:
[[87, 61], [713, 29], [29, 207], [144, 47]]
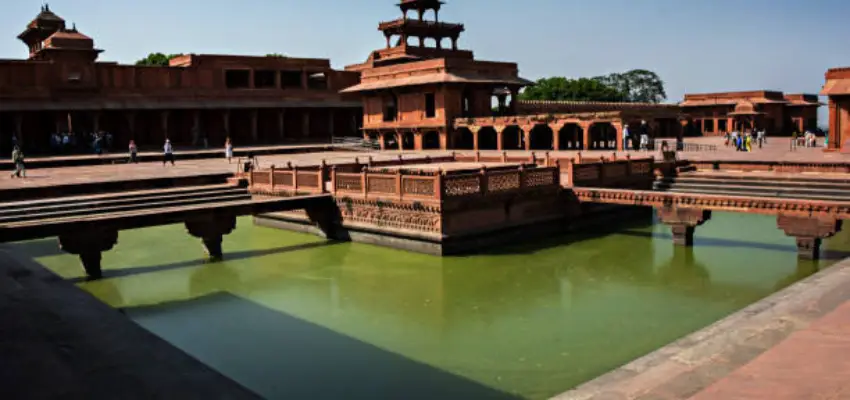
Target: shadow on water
[[591, 232], [235, 256], [280, 356]]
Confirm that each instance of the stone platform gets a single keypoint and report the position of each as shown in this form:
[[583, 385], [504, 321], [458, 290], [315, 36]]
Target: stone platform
[[57, 341]]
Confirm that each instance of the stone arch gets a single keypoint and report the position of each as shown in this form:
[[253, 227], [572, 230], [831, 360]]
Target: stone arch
[[571, 137], [408, 141], [603, 136], [464, 139], [431, 140], [512, 138], [488, 138], [390, 141], [541, 137]]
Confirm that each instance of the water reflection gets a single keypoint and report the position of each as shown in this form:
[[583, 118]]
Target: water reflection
[[532, 320]]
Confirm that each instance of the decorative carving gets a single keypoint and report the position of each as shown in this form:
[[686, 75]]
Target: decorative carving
[[351, 182], [756, 205], [501, 182], [808, 232], [381, 184], [88, 245], [418, 186], [283, 178], [390, 215], [210, 230], [462, 185], [539, 178], [308, 179]]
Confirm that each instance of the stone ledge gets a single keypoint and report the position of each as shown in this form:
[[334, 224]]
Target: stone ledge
[[688, 365]]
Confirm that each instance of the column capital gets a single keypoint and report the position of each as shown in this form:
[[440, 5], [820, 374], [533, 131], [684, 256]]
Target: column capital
[[499, 128], [474, 128], [691, 217], [798, 226]]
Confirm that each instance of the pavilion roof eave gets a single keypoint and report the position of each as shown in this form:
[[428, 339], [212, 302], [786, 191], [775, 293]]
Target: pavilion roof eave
[[435, 79], [742, 113], [836, 87]]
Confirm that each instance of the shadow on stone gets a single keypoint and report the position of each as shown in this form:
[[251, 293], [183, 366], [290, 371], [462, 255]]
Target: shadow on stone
[[280, 356]]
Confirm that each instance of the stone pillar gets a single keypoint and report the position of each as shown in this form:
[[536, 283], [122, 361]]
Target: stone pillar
[[618, 132], [255, 136], [211, 229], [304, 80], [305, 124], [417, 140], [834, 126], [556, 135], [88, 244], [526, 135], [683, 222], [382, 140], [809, 232], [399, 140], [474, 130], [499, 139], [444, 139], [586, 135], [281, 124]]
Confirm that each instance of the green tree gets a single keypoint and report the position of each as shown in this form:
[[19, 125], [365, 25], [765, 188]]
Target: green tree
[[639, 85], [276, 55], [581, 89], [157, 59]]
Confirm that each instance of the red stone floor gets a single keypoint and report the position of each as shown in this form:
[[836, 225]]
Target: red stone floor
[[119, 172], [813, 363]]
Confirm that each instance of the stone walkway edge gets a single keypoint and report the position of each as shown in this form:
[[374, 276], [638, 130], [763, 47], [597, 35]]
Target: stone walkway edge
[[687, 366]]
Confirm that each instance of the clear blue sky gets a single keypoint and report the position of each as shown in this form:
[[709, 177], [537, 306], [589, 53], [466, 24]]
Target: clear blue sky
[[694, 45]]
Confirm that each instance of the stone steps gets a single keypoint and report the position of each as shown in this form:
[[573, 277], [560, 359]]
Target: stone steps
[[81, 208], [775, 186], [112, 198]]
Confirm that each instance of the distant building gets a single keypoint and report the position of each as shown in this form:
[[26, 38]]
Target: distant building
[[62, 87], [713, 114], [837, 87]]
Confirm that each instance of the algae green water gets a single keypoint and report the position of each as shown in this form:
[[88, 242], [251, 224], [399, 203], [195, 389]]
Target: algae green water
[[292, 316]]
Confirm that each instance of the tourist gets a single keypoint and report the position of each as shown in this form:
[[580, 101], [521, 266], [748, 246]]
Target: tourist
[[644, 136], [98, 144], [748, 145], [133, 152], [228, 150], [18, 160], [760, 138], [625, 136], [168, 153]]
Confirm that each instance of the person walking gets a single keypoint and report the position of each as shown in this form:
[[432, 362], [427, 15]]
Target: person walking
[[133, 152], [228, 150], [626, 142], [18, 160], [168, 153]]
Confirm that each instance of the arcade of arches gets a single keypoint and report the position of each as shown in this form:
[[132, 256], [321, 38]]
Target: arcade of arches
[[412, 139]]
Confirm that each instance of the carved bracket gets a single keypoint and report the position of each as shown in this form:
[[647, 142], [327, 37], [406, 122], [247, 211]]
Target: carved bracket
[[210, 230], [809, 232], [691, 217], [88, 244]]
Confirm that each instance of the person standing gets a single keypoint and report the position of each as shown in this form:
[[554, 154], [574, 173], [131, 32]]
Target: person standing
[[168, 153], [228, 150], [18, 160], [133, 152], [626, 144]]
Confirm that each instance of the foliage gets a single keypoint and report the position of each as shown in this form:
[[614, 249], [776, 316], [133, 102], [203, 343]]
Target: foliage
[[275, 55], [157, 59], [581, 89], [638, 86], [633, 86]]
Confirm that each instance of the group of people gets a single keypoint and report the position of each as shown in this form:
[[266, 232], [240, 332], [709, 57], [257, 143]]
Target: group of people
[[70, 142], [745, 141], [808, 139], [643, 137]]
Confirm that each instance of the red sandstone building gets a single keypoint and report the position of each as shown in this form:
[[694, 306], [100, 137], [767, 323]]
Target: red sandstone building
[[713, 114], [837, 87], [63, 87]]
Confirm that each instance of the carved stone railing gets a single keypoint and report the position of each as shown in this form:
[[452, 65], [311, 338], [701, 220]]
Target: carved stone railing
[[435, 186], [608, 172], [289, 180]]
